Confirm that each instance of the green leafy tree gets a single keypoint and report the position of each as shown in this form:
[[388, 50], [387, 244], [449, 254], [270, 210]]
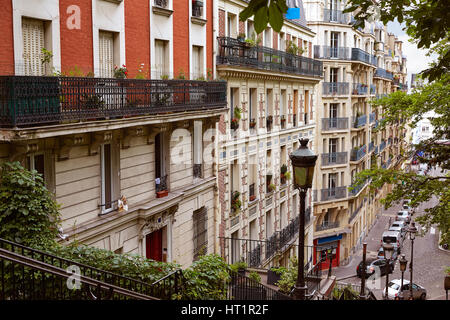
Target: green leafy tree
[[28, 213], [408, 109]]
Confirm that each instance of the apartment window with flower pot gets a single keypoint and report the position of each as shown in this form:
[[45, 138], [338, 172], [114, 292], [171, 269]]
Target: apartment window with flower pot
[[197, 63], [161, 69], [269, 109], [109, 157], [231, 25], [252, 178], [252, 108], [283, 114], [235, 110], [108, 53], [161, 183], [36, 35], [200, 224]]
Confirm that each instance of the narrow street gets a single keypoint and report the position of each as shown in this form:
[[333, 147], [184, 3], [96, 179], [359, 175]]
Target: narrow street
[[429, 260]]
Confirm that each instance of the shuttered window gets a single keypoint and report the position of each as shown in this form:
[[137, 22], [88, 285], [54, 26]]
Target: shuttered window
[[200, 219], [106, 52], [33, 43], [197, 61]]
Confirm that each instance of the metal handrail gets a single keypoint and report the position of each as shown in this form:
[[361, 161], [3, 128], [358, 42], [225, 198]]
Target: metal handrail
[[41, 266]]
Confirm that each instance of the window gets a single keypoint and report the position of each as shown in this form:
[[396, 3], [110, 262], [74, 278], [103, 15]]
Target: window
[[334, 74], [200, 220], [252, 107], [33, 43], [197, 8], [36, 162], [106, 52], [161, 59], [231, 26], [197, 62], [334, 44], [269, 224], [283, 108], [160, 170], [106, 167], [253, 230], [251, 34], [252, 174]]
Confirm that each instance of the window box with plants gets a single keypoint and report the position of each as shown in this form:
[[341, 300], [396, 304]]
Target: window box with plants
[[269, 121], [236, 202], [252, 123], [284, 174], [237, 116]]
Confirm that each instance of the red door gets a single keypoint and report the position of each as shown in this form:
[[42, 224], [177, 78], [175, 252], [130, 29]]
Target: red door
[[153, 243], [323, 254]]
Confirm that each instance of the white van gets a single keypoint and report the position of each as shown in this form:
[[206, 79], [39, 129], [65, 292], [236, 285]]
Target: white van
[[392, 237]]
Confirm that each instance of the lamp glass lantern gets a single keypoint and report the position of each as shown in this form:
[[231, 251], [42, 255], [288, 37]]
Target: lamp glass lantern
[[403, 262], [303, 163], [412, 231]]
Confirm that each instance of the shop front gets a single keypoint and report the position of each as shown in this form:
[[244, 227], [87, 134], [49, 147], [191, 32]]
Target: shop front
[[326, 249]]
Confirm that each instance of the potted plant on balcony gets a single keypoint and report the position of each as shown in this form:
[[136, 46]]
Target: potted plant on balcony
[[274, 275], [237, 116], [283, 172], [241, 37], [252, 198], [236, 202], [252, 123], [272, 187], [240, 267], [120, 73], [269, 120]]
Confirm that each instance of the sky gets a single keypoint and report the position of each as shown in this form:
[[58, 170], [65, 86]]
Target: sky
[[416, 60]]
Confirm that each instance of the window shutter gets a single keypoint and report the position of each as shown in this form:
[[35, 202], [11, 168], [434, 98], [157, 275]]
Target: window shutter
[[106, 51], [33, 42], [200, 220]]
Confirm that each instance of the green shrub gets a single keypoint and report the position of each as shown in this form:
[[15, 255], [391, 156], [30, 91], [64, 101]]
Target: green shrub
[[255, 276]]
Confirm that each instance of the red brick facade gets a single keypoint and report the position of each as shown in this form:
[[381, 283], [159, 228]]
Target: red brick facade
[[7, 42]]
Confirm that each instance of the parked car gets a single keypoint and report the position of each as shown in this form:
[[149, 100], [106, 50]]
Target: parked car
[[397, 226], [392, 237], [403, 215], [380, 254], [372, 264], [419, 292]]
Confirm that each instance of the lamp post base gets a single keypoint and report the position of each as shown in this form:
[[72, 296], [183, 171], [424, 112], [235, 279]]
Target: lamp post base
[[300, 292]]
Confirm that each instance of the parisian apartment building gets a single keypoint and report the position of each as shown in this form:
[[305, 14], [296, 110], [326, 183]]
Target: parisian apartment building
[[164, 127], [99, 135]]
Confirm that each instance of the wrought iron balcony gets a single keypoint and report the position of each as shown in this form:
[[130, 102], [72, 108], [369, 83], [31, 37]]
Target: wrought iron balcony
[[356, 188], [376, 150], [371, 146], [335, 88], [382, 73], [329, 52], [382, 145], [380, 95], [35, 100], [329, 124], [359, 89], [330, 194], [373, 89], [334, 158], [372, 117], [327, 225], [234, 52], [358, 154], [363, 56], [336, 16], [359, 121]]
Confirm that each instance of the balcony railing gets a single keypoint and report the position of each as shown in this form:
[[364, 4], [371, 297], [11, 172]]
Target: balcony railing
[[334, 158], [380, 95], [372, 117], [327, 225], [35, 100], [359, 121], [329, 52], [363, 56], [356, 188], [336, 16], [373, 89], [371, 146], [241, 287], [382, 73], [358, 154], [235, 52], [329, 124], [335, 88], [30, 274], [330, 194], [382, 145], [359, 89]]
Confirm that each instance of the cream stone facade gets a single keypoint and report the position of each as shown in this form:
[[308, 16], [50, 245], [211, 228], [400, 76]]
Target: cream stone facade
[[278, 103], [355, 64]]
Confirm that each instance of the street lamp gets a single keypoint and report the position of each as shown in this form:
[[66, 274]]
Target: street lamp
[[412, 235], [303, 162], [403, 262], [388, 249]]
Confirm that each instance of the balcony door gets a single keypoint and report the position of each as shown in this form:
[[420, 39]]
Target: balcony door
[[332, 184], [333, 80], [334, 45], [332, 149], [333, 115]]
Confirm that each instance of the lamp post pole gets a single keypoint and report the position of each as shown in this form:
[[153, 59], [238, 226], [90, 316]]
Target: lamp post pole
[[403, 263], [412, 236], [388, 249], [362, 295], [300, 287]]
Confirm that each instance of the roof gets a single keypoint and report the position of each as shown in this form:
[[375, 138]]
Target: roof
[[302, 20]]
